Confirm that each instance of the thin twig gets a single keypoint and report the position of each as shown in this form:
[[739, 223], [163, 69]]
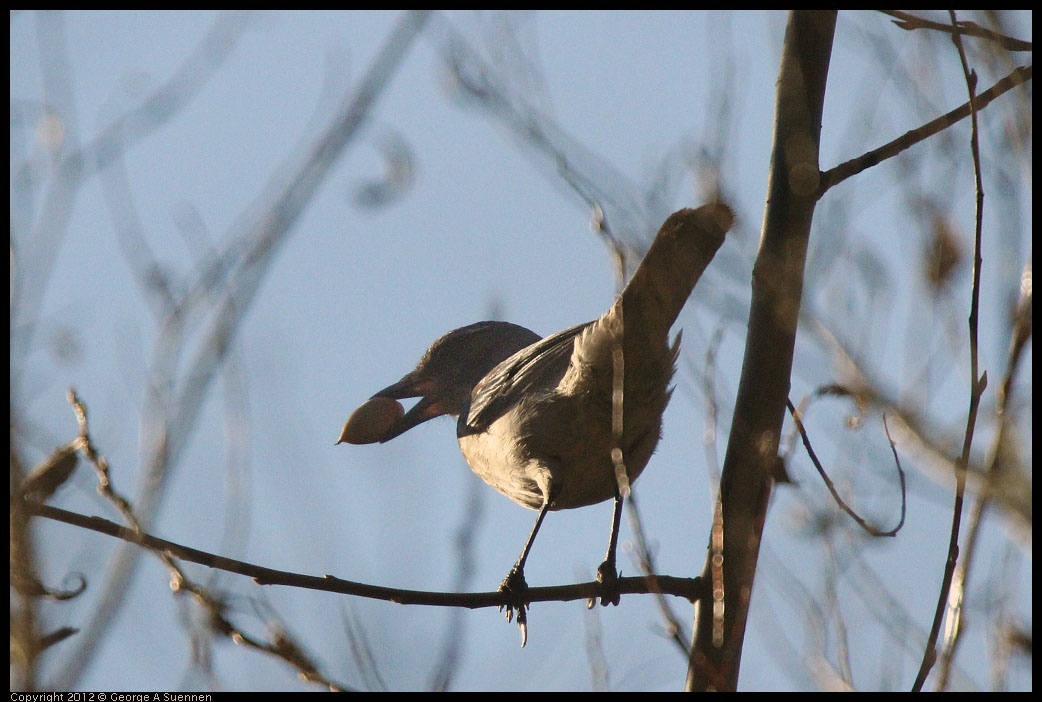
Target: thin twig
[[101, 465], [644, 557], [1020, 334], [929, 445], [874, 531], [675, 630], [977, 385], [281, 645], [845, 170], [909, 22]]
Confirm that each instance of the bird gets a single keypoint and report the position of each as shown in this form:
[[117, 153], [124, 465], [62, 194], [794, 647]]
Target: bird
[[568, 420]]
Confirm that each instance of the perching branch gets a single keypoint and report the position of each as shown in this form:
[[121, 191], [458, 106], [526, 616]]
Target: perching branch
[[689, 588]]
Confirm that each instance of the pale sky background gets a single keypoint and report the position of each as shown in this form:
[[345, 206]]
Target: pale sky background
[[355, 297]]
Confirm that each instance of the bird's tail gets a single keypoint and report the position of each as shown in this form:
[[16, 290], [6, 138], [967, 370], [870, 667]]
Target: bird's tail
[[683, 247]]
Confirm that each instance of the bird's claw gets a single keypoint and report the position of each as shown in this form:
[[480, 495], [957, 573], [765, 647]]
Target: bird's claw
[[608, 577], [515, 586]]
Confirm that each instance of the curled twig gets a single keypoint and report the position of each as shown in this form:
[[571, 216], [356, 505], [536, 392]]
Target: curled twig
[[874, 531]]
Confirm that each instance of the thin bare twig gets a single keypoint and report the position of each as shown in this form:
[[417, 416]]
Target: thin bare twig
[[281, 644], [1020, 334], [977, 385], [845, 170], [874, 531], [674, 629], [929, 445], [909, 22], [362, 652], [644, 558]]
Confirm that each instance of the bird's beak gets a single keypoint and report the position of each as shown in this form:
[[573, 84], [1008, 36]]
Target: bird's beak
[[428, 407], [382, 417]]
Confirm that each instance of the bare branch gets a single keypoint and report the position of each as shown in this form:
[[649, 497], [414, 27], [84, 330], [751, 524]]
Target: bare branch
[[909, 22], [977, 385], [688, 588], [845, 170]]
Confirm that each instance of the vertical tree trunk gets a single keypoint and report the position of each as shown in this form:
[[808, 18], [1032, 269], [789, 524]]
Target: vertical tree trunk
[[752, 449]]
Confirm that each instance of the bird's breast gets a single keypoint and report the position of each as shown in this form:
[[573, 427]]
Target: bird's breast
[[559, 445]]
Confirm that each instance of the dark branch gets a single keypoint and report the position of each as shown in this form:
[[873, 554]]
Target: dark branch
[[845, 170], [689, 588]]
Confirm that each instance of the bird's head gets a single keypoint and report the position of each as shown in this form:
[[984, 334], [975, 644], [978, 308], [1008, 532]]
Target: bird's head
[[442, 380]]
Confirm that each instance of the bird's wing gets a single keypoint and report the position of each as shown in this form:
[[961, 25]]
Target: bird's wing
[[536, 367]]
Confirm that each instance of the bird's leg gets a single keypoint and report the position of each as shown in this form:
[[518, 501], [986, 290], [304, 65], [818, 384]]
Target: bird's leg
[[607, 575], [514, 584]]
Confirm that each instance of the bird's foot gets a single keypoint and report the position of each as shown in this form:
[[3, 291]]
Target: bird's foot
[[515, 586], [608, 577]]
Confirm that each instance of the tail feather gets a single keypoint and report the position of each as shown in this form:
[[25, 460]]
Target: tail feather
[[682, 249]]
